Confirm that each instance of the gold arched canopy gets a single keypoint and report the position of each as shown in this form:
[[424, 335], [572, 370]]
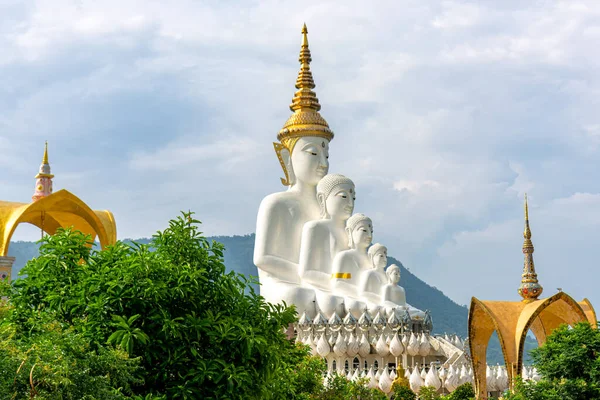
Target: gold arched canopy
[[60, 209], [512, 321]]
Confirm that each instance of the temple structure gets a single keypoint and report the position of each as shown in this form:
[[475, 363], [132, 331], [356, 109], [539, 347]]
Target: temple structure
[[314, 252], [511, 320], [50, 211]]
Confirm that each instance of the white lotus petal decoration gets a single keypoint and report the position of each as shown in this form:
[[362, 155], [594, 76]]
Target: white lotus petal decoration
[[381, 347], [432, 378], [415, 381], [323, 347]]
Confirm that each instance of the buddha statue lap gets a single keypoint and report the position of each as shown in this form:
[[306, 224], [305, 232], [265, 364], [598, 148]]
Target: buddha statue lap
[[348, 265], [324, 238]]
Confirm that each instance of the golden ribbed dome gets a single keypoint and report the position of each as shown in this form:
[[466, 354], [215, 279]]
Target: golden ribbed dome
[[306, 120]]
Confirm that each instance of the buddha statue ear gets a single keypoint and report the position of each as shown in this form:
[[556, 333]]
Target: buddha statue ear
[[350, 241], [285, 159], [322, 206]]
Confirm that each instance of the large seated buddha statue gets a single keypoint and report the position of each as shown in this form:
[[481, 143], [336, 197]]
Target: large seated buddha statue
[[348, 265], [324, 238], [303, 151], [309, 249]]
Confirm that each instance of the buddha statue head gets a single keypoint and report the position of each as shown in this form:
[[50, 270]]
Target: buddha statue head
[[336, 195], [393, 274], [360, 231], [303, 147], [378, 255]]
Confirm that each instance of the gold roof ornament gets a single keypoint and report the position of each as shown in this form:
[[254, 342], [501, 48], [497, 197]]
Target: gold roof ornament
[[45, 158], [306, 120], [530, 289], [45, 167]]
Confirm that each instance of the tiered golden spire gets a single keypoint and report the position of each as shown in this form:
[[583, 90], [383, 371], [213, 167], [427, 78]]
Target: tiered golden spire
[[530, 289], [306, 120]]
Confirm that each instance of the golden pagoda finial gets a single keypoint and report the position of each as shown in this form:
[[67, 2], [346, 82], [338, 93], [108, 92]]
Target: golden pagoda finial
[[530, 289], [45, 158], [306, 120]]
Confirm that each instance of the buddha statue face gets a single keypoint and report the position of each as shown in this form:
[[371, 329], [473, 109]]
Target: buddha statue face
[[336, 196], [362, 234], [380, 259], [378, 254], [340, 203], [393, 274], [309, 160]]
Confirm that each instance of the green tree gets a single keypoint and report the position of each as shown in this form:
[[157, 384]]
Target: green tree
[[340, 388], [569, 363], [195, 331], [56, 363], [463, 392], [401, 392]]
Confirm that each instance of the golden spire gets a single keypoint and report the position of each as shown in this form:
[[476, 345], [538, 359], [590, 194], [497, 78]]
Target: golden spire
[[305, 97], [306, 120], [45, 159], [530, 289]]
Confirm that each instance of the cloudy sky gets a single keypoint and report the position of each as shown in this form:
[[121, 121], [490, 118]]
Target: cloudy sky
[[445, 114]]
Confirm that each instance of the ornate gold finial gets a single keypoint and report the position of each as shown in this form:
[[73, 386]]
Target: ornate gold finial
[[530, 289], [43, 180], [45, 158], [306, 120]]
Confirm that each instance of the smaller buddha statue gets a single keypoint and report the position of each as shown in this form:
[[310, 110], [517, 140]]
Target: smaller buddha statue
[[392, 295], [373, 280], [348, 265], [322, 239]]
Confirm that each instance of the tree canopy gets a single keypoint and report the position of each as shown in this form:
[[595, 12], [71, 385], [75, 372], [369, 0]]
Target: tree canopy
[[569, 363]]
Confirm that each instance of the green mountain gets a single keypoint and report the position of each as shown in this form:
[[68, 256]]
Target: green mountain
[[448, 316]]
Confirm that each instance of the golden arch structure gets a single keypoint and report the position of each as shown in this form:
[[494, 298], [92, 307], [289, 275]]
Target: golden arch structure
[[511, 321], [60, 209]]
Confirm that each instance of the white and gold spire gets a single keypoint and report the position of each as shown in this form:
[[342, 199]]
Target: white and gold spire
[[43, 180]]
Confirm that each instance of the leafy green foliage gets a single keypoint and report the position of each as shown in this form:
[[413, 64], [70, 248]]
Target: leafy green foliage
[[198, 331], [428, 393], [402, 392], [570, 354], [54, 363], [463, 392], [340, 388], [569, 363]]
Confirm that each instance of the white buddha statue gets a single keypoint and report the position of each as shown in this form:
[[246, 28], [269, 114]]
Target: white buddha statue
[[373, 280], [348, 265], [324, 238], [303, 151], [392, 295]]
